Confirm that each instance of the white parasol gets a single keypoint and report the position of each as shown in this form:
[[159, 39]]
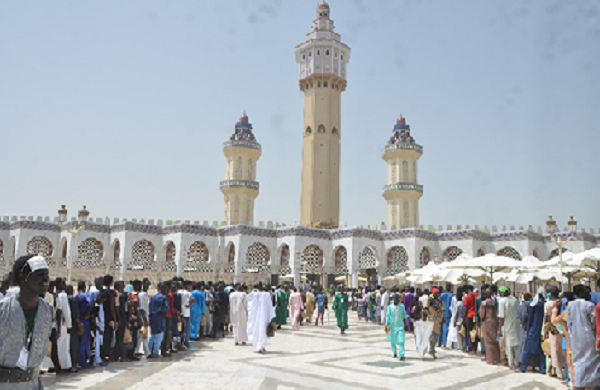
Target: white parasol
[[489, 263]]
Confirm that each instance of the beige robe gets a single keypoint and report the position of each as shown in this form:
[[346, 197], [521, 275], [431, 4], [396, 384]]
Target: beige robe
[[310, 306]]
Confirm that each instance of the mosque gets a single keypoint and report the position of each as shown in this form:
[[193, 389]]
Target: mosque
[[237, 249]]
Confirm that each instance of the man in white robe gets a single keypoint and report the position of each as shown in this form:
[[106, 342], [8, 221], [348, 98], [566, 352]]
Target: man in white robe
[[238, 308], [260, 314], [63, 325]]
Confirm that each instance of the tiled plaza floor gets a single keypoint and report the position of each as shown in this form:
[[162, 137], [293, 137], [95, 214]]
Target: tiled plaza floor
[[306, 359]]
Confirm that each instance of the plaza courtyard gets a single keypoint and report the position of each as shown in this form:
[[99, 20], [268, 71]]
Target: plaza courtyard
[[305, 359]]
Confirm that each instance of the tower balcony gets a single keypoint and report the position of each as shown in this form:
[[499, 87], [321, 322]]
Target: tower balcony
[[402, 187], [401, 146], [248, 184], [242, 144]]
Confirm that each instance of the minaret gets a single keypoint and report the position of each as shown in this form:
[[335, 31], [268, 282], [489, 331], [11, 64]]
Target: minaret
[[322, 58], [240, 187], [402, 191]]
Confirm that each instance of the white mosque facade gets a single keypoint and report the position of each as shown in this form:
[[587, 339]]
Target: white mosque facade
[[238, 249]]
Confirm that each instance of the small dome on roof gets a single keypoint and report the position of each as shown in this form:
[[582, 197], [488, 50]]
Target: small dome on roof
[[401, 120], [323, 4], [244, 117]]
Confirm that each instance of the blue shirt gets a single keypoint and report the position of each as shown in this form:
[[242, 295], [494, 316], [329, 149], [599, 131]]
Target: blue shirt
[[199, 306], [594, 297], [84, 302], [321, 301], [446, 298], [159, 306]]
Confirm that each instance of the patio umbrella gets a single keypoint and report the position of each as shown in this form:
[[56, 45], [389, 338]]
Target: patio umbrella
[[463, 276], [589, 258], [489, 263], [531, 262], [290, 277]]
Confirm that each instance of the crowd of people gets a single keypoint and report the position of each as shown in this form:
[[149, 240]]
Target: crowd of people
[[557, 334], [46, 327]]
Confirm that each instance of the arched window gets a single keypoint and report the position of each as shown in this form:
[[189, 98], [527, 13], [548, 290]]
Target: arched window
[[236, 210], [510, 252], [397, 261], [142, 256], [308, 130], [342, 57], [285, 260], [116, 255], [303, 56], [238, 169], [394, 165], [318, 52], [326, 52], [318, 84], [249, 211], [250, 170], [341, 261], [310, 53], [89, 254], [197, 258], [226, 210], [367, 259], [258, 259], [40, 245], [321, 129], [405, 171], [312, 259], [394, 212], [406, 223], [170, 254], [424, 257], [334, 131], [415, 171], [451, 253], [325, 84]]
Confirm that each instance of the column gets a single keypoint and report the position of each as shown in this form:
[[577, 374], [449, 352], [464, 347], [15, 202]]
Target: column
[[354, 279]]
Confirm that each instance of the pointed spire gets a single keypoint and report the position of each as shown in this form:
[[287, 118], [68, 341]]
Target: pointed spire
[[244, 117]]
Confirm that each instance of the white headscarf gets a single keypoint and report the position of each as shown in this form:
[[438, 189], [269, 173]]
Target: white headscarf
[[541, 291]]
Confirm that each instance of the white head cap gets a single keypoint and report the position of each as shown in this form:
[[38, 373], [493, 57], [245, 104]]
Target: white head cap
[[36, 263]]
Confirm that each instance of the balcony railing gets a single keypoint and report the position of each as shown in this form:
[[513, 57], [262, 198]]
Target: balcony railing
[[402, 145], [242, 144], [253, 185], [403, 187]]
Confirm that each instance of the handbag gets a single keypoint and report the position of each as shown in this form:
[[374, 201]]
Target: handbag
[[127, 336], [144, 332], [546, 348], [473, 335], [501, 342]]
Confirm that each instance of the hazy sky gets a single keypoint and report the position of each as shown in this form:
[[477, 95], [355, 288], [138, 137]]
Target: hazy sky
[[124, 105]]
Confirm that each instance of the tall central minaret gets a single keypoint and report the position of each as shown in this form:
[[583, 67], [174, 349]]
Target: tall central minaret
[[322, 58]]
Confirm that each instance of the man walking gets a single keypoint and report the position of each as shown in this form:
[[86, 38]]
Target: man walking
[[238, 307], [340, 306], [295, 307], [434, 311], [394, 322]]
